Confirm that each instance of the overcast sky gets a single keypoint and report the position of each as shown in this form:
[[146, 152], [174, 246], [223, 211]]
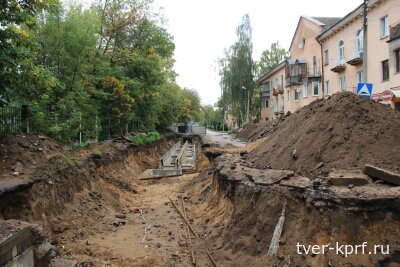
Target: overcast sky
[[202, 29]]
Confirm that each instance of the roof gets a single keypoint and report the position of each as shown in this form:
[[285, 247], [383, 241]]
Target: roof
[[324, 22], [269, 73], [349, 17], [327, 21]]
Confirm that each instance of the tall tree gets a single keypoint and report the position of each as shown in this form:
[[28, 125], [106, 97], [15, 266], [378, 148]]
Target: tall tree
[[271, 58], [237, 72], [17, 17]]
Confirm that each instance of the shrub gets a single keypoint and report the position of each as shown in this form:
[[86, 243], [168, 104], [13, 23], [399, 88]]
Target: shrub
[[137, 140], [97, 153], [146, 139]]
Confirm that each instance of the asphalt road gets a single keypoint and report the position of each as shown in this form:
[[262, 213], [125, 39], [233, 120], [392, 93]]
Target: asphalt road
[[221, 138]]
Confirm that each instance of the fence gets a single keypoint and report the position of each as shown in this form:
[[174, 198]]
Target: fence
[[10, 121], [69, 129]]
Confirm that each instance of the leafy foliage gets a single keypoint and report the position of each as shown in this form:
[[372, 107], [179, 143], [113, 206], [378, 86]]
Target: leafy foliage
[[237, 72], [139, 140], [270, 58], [90, 71]]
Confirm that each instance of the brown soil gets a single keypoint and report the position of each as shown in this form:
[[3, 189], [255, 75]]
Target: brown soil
[[344, 131], [240, 217], [255, 131], [92, 206], [25, 153]]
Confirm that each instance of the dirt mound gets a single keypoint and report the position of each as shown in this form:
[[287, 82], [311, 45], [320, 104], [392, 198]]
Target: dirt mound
[[21, 154], [344, 131], [258, 130]]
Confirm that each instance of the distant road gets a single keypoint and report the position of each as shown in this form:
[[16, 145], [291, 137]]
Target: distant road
[[221, 138]]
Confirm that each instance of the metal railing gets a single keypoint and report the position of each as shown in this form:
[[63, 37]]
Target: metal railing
[[10, 121]]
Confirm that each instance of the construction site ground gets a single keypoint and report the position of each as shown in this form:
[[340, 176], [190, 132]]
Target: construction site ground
[[308, 178]]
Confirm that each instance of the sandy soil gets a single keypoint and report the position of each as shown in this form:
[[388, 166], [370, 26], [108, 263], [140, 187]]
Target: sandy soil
[[165, 243]]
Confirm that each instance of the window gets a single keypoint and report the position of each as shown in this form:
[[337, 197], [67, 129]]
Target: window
[[305, 90], [296, 94], [266, 104], [326, 57], [397, 60], [342, 84], [341, 53], [360, 41], [384, 27], [327, 88], [288, 95], [359, 76], [385, 70], [315, 88]]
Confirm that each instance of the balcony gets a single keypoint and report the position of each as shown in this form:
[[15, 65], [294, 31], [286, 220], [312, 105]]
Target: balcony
[[278, 90], [340, 66], [357, 59], [394, 33], [295, 71], [314, 72], [265, 90], [294, 80]]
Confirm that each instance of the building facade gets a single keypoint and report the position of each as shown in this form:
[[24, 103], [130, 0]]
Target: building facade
[[271, 94], [303, 69], [326, 56], [343, 51]]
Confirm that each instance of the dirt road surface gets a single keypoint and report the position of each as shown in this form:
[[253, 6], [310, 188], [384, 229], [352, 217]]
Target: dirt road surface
[[222, 139], [165, 243]]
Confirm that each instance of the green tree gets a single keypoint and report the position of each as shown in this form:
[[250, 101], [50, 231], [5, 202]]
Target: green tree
[[270, 58], [237, 72], [190, 102], [17, 68]]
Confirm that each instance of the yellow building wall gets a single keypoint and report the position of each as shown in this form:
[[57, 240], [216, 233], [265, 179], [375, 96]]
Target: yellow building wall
[[378, 49], [275, 103], [308, 30]]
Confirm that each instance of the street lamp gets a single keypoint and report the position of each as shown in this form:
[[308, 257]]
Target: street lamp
[[248, 103]]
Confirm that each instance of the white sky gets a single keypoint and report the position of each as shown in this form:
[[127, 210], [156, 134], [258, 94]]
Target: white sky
[[202, 29]]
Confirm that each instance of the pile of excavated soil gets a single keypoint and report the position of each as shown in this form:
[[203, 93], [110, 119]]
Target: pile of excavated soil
[[344, 131], [21, 154], [258, 130]]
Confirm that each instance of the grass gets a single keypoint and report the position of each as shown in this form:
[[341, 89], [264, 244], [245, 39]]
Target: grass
[[72, 160], [97, 153], [140, 140]]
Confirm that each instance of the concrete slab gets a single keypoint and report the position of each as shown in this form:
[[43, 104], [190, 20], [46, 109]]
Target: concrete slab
[[164, 172], [379, 173], [297, 182], [269, 177], [14, 184], [346, 177]]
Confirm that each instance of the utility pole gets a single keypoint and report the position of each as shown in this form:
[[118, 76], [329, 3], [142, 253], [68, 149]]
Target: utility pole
[[365, 41], [248, 105]]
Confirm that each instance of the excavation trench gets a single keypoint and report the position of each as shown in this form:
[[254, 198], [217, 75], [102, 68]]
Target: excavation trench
[[98, 212], [242, 206], [94, 210]]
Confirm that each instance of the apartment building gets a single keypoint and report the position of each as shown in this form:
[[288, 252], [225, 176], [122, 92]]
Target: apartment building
[[271, 94], [342, 46], [296, 81], [326, 56]]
